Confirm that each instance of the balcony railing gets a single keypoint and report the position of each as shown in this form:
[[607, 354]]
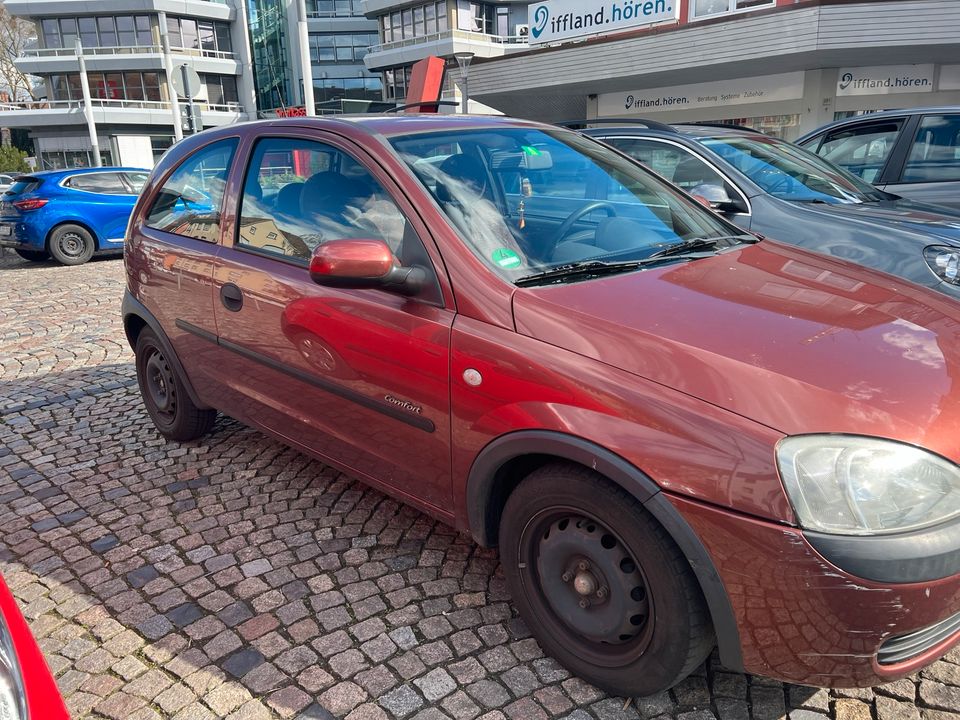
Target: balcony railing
[[113, 103], [126, 50], [450, 35]]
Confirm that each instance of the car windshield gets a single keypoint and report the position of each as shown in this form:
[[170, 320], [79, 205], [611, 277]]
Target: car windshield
[[790, 172], [529, 200]]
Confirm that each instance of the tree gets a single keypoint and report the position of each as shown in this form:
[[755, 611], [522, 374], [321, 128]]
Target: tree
[[13, 160], [16, 35]]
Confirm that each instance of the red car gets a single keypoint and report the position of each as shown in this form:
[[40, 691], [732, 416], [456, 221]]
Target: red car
[[27, 689], [678, 434]]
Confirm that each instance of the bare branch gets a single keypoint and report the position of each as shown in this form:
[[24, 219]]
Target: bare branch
[[16, 35]]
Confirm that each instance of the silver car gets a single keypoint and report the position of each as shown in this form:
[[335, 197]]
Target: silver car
[[913, 153]]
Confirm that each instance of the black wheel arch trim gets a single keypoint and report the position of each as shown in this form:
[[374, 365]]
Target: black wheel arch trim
[[131, 307], [497, 453], [910, 557]]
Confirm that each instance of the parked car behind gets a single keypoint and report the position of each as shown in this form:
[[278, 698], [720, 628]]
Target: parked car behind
[[27, 689], [914, 153], [774, 188], [5, 182], [69, 214], [679, 436]]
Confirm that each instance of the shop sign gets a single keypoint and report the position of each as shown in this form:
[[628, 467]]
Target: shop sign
[[884, 80], [565, 19], [950, 77], [742, 91]]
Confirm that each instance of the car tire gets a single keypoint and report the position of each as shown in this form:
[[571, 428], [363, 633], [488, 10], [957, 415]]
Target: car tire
[[33, 255], [71, 244], [602, 586], [164, 394]]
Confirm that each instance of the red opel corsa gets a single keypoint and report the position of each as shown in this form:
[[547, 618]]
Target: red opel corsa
[[679, 435], [27, 689]]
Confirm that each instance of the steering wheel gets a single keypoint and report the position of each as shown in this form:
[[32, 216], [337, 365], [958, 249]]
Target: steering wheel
[[579, 213], [777, 182]]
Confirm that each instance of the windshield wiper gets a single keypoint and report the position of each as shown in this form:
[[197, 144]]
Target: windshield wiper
[[700, 243], [596, 268], [592, 268]]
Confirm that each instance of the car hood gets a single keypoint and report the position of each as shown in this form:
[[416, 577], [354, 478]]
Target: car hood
[[902, 214], [789, 338]]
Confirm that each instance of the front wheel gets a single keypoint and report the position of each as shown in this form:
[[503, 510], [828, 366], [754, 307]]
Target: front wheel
[[164, 394], [32, 255], [601, 585], [71, 245]]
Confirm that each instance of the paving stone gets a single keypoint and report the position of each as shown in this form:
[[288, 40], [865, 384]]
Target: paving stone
[[402, 701], [436, 684]]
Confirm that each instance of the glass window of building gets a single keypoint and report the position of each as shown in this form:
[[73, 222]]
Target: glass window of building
[[108, 32], [208, 36], [503, 21], [88, 31], [345, 48], [700, 9], [144, 34], [221, 89], [68, 32], [126, 31]]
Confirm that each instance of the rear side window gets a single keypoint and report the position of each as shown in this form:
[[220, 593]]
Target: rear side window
[[103, 183], [862, 150], [189, 201], [23, 185], [935, 155]]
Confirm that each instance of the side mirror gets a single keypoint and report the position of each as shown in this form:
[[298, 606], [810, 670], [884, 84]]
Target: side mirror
[[716, 197], [363, 263]]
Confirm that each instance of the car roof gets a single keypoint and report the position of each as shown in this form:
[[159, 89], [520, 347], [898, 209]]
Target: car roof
[[691, 130], [880, 116], [54, 174]]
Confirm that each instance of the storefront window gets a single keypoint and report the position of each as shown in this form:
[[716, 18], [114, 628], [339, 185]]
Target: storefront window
[[785, 127], [700, 9]]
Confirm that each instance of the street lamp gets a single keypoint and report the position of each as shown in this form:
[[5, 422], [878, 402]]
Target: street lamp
[[463, 60]]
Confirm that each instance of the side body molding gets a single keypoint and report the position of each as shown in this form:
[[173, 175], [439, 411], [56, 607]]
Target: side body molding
[[481, 497], [131, 307]]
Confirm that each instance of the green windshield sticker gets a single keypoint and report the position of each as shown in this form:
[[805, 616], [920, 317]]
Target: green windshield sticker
[[530, 150], [505, 258]]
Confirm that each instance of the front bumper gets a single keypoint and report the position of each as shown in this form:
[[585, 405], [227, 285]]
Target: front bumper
[[801, 619]]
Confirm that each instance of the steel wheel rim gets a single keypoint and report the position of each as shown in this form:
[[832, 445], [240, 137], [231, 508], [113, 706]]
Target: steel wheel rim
[[71, 244], [565, 563], [160, 386]]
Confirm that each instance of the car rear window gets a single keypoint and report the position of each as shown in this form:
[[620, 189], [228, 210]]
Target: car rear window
[[23, 185]]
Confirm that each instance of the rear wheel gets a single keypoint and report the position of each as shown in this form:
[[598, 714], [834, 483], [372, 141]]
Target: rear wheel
[[71, 245], [602, 586], [33, 255], [167, 401]]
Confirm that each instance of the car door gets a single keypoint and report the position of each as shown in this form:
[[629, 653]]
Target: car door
[[359, 378], [107, 203], [690, 172], [931, 166]]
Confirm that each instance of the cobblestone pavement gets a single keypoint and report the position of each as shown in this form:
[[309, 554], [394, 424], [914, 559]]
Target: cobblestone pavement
[[235, 578]]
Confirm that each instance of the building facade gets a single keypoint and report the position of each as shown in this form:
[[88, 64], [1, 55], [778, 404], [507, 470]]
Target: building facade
[[781, 66], [131, 96], [338, 38], [409, 31]]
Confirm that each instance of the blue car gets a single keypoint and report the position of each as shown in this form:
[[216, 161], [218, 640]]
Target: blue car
[[69, 214]]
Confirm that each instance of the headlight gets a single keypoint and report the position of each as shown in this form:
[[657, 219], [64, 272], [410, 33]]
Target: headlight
[[944, 261], [13, 703], [850, 485]]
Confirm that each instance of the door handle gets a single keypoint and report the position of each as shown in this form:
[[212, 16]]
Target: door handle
[[232, 297]]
